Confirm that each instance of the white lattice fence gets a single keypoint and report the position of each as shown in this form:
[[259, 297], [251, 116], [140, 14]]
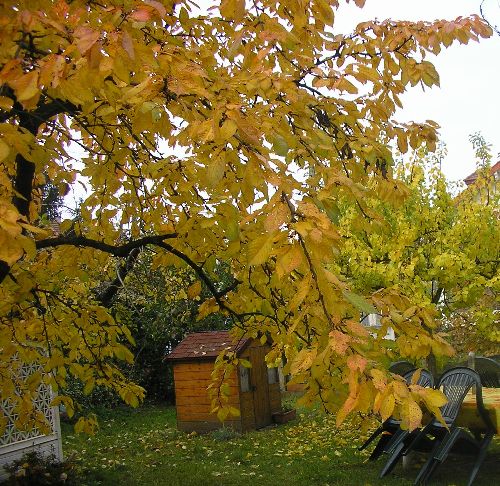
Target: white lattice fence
[[14, 443]]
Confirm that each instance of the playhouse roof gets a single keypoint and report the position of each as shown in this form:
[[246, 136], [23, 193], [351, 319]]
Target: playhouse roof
[[205, 346]]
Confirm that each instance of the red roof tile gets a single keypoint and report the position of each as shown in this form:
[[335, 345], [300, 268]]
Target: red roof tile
[[470, 179], [205, 346]]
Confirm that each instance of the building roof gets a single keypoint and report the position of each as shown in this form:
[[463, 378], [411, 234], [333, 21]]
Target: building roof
[[470, 179], [206, 346]]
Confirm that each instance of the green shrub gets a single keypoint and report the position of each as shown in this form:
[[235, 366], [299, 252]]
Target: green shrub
[[35, 469]]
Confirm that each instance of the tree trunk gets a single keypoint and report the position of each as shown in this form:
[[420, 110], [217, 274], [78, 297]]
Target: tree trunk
[[432, 364]]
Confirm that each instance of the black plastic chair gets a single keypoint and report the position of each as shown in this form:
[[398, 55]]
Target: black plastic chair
[[390, 429], [401, 367], [488, 370], [441, 440]]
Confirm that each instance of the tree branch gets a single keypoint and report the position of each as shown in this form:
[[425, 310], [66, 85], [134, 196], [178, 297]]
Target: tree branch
[[494, 27], [131, 251], [106, 296], [25, 169], [122, 251], [218, 295]]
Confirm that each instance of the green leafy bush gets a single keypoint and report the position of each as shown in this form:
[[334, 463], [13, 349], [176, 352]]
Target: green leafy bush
[[34, 469]]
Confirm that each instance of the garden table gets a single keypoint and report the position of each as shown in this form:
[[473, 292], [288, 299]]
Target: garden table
[[469, 416]]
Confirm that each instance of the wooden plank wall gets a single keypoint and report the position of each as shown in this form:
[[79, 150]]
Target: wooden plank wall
[[192, 400], [194, 405]]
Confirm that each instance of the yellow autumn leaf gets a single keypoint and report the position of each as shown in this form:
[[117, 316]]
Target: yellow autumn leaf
[[402, 143], [416, 376], [289, 261], [400, 389], [379, 379], [412, 414], [339, 341], [234, 412], [194, 290], [26, 86], [206, 308], [10, 248], [260, 249], [4, 150], [86, 37], [303, 361], [387, 406], [222, 414], [325, 11], [228, 129], [275, 218], [434, 398], [6, 103], [89, 386]]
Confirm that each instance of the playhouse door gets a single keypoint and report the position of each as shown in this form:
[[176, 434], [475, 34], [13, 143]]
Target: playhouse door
[[260, 387]]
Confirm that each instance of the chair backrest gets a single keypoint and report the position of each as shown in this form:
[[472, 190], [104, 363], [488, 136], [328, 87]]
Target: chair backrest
[[401, 367], [489, 371], [455, 384], [425, 379]]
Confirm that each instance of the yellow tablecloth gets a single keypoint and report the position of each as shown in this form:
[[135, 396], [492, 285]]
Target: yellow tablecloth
[[469, 416]]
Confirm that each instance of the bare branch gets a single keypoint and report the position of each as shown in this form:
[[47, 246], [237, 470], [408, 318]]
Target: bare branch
[[115, 250]]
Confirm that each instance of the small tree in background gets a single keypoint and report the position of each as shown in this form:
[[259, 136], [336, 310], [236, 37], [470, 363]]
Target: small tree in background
[[51, 202], [438, 250]]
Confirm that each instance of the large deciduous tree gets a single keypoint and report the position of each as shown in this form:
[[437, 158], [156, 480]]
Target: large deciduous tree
[[221, 136]]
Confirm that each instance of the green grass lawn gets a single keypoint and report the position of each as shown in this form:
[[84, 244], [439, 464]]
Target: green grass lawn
[[143, 447]]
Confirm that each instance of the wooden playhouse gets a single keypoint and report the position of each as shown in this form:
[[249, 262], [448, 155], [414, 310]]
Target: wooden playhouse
[[254, 391]]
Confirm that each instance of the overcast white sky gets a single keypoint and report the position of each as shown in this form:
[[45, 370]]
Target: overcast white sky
[[468, 99]]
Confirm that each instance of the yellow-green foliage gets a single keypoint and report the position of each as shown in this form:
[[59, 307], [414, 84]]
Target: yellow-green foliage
[[437, 249]]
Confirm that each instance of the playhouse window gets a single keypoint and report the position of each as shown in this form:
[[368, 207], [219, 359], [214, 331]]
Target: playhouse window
[[244, 379], [272, 375]]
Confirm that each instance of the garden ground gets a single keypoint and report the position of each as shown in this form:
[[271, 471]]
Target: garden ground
[[142, 446]]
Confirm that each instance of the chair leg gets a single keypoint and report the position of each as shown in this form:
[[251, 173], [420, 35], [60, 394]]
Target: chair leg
[[379, 448], [428, 468], [480, 458], [431, 470], [393, 460], [422, 474], [402, 448], [415, 439], [370, 439], [442, 449], [397, 438], [446, 445]]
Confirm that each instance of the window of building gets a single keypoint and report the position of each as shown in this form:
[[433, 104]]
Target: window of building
[[272, 375], [244, 379]]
